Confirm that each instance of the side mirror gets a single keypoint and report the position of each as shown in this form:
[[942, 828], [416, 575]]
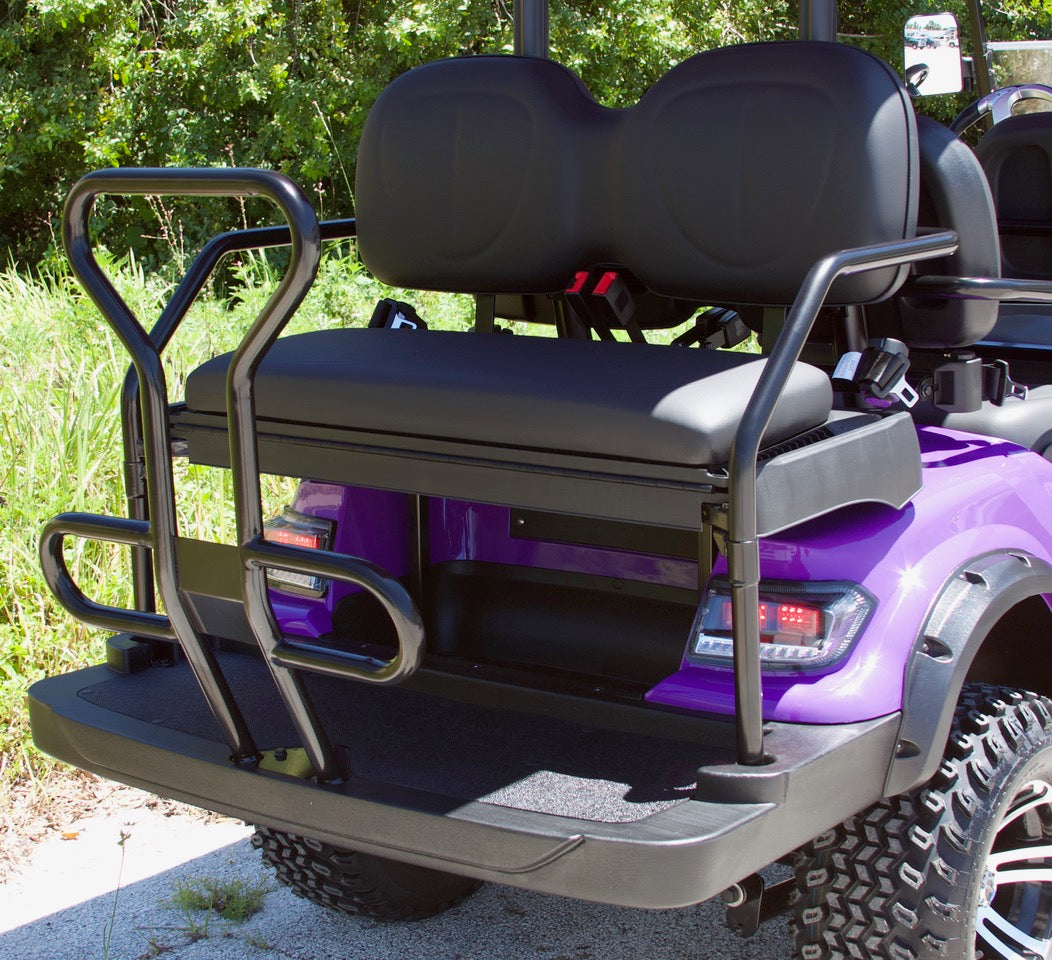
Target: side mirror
[[932, 54]]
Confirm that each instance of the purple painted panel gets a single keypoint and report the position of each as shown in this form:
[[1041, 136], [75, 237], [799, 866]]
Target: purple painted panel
[[979, 495], [372, 524], [479, 532]]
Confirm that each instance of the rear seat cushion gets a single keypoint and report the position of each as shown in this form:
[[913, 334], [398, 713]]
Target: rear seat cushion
[[621, 400]]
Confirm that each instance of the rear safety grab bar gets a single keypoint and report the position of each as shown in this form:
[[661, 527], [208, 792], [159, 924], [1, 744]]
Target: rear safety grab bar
[[289, 651], [157, 531], [286, 657], [87, 526], [743, 547]]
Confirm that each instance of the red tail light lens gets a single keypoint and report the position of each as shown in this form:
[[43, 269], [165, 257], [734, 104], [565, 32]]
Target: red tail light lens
[[802, 625]]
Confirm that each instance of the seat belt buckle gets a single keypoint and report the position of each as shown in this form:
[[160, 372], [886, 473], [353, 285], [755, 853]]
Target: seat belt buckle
[[396, 315], [878, 371], [999, 385]]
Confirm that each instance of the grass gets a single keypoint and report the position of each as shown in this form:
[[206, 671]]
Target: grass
[[200, 901], [232, 900], [61, 370]]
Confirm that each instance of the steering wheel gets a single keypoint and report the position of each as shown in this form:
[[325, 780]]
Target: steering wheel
[[916, 74], [999, 104]]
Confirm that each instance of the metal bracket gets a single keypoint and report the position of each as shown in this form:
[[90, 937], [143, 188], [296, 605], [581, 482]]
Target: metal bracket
[[751, 902]]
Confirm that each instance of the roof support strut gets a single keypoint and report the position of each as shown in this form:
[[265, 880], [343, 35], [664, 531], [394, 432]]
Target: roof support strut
[[531, 28], [818, 20]]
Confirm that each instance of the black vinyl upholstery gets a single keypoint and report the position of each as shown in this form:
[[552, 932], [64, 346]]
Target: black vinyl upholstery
[[627, 400], [954, 195], [1017, 157], [733, 174]]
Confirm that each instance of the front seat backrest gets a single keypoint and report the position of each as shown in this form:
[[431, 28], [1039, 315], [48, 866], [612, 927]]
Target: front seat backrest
[[732, 175], [1017, 157]]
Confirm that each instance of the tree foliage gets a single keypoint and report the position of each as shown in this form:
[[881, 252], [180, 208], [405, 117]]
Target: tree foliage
[[286, 84], [283, 84]]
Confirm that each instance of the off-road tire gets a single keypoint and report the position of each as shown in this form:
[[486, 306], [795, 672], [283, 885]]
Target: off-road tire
[[903, 880], [359, 883]]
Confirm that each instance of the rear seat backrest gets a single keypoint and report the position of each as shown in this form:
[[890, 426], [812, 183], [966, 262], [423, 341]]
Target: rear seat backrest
[[728, 180]]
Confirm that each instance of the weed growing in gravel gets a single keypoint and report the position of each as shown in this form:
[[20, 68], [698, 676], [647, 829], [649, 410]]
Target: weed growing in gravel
[[233, 900], [107, 933]]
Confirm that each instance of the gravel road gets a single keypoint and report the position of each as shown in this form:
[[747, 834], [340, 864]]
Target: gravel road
[[85, 894]]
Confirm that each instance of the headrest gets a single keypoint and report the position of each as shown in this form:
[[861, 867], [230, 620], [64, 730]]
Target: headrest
[[732, 175]]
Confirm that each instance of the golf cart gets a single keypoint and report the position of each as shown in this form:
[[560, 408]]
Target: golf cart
[[586, 614]]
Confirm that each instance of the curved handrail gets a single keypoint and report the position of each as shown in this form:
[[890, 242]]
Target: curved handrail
[[743, 551], [395, 599], [153, 395], [70, 596], [999, 104], [980, 288]]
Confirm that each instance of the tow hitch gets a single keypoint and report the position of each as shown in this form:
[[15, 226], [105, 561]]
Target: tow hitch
[[751, 902]]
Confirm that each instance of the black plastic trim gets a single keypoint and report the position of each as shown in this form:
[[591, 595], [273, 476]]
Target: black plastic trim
[[978, 594], [632, 537], [676, 857]]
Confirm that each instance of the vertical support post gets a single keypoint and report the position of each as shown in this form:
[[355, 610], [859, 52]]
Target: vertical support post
[[531, 28], [485, 312], [818, 20], [420, 543], [982, 62], [135, 490]]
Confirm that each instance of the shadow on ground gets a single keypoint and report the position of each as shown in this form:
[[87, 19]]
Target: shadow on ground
[[498, 923]]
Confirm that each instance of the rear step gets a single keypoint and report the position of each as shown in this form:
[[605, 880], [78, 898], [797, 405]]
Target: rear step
[[540, 790]]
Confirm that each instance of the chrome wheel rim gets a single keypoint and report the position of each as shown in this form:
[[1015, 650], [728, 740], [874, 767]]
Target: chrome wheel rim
[[1013, 920]]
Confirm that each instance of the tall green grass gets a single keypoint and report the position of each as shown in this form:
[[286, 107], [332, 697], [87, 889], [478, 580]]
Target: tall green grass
[[61, 370]]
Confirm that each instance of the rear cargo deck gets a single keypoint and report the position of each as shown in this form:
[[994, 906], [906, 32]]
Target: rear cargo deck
[[589, 799], [457, 750]]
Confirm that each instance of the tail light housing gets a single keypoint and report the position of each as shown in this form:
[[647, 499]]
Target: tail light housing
[[803, 625], [298, 530]]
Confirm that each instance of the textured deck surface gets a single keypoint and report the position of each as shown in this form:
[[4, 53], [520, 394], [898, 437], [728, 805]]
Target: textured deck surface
[[452, 749]]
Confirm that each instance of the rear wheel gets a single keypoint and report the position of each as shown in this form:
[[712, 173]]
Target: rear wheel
[[359, 883], [960, 869]]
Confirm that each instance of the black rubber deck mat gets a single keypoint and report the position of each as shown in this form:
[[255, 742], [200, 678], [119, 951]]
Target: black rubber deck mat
[[453, 749]]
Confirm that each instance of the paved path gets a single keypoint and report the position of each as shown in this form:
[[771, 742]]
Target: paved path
[[65, 906]]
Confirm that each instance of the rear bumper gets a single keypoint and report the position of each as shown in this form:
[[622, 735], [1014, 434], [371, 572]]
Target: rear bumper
[[740, 820]]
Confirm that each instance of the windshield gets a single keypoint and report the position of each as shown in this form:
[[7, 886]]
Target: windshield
[[1022, 61]]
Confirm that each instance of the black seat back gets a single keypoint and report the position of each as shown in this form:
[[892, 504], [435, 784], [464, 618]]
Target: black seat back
[[1017, 157], [726, 182], [954, 195]]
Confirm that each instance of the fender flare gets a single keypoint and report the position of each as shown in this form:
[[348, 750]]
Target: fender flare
[[971, 601]]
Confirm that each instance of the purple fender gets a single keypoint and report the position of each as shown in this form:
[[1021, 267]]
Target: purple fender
[[981, 498]]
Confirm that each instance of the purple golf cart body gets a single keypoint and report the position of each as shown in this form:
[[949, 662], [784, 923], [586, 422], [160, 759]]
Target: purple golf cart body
[[591, 615]]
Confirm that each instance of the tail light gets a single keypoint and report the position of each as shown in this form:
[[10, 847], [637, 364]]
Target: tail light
[[802, 625], [298, 530]]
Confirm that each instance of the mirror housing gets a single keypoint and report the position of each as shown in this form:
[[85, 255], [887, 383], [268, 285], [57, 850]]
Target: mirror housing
[[932, 54]]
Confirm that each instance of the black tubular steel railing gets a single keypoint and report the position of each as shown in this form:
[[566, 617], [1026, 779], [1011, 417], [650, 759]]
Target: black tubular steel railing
[[173, 314], [152, 530], [743, 549]]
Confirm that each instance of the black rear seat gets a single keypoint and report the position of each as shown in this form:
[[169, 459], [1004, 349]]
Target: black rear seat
[[624, 400], [730, 178]]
